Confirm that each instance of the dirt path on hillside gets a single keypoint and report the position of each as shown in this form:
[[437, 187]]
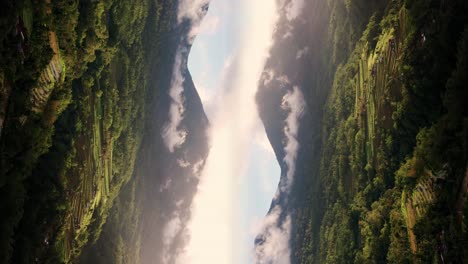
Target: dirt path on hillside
[[411, 221]]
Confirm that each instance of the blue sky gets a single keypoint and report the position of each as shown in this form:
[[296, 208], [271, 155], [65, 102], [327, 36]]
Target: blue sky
[[225, 62]]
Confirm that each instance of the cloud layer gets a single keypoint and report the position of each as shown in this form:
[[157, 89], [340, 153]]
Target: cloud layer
[[192, 10], [172, 134], [272, 245], [293, 103], [213, 228], [212, 231], [294, 9]]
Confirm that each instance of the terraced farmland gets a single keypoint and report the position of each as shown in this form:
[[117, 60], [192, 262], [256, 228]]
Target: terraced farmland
[[74, 119], [90, 182], [51, 75], [415, 205], [378, 83]]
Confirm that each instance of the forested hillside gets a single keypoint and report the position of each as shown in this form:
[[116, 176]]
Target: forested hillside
[[76, 84], [103, 136], [391, 179]]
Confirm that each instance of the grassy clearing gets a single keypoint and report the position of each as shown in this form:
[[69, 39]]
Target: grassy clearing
[[27, 15]]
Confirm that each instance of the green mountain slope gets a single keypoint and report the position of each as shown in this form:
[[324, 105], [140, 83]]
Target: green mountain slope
[[391, 185], [75, 85]]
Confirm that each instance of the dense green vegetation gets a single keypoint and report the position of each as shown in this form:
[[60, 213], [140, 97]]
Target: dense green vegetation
[[393, 162], [120, 238], [388, 182], [74, 95]]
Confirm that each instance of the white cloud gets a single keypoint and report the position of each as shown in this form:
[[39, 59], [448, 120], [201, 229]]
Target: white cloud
[[288, 31], [172, 134], [287, 34], [213, 230], [191, 9], [179, 203], [267, 76], [276, 232], [302, 52], [283, 79], [293, 103], [183, 163], [294, 9], [174, 228], [197, 167], [194, 10], [166, 185]]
